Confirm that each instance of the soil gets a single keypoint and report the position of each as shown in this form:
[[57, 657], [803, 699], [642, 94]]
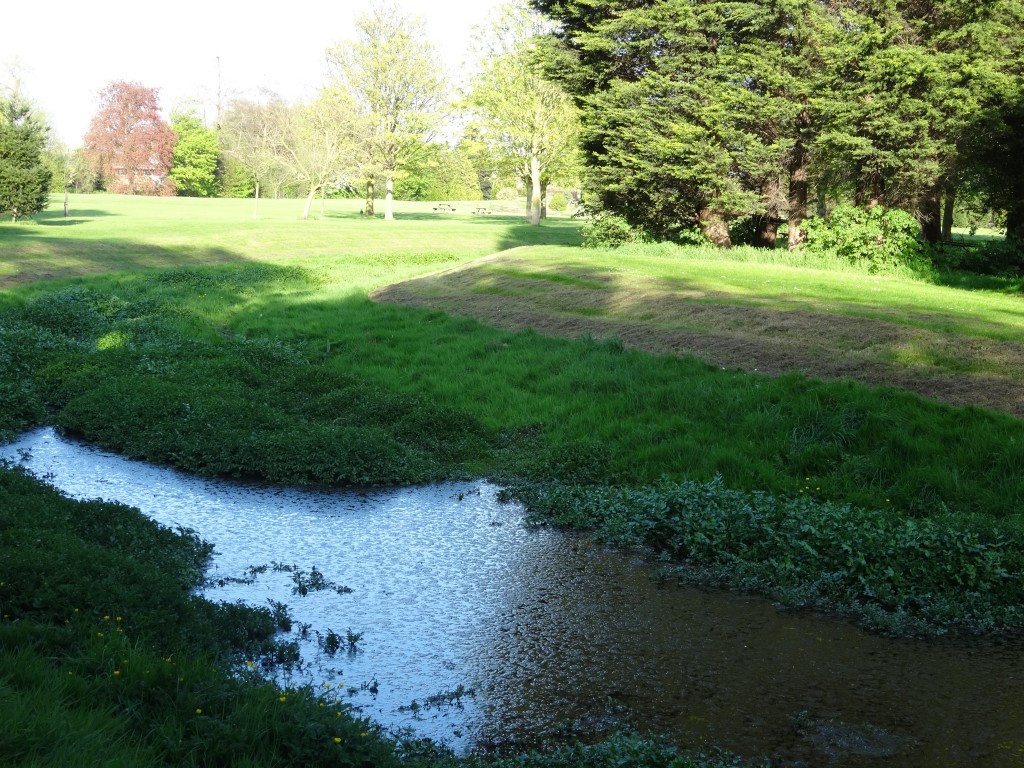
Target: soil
[[726, 332]]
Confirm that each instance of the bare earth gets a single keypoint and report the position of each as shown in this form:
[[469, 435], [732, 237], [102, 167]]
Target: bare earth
[[653, 318]]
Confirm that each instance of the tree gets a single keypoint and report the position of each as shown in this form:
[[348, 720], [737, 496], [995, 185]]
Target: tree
[[691, 109], [439, 173], [522, 115], [317, 141], [128, 142], [701, 112], [24, 178], [196, 157], [250, 134], [397, 80]]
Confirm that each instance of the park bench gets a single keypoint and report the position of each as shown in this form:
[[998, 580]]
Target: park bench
[[444, 208]]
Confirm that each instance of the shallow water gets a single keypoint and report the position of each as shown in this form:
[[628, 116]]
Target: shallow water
[[551, 632]]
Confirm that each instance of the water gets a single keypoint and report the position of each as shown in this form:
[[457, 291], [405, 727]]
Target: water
[[553, 633]]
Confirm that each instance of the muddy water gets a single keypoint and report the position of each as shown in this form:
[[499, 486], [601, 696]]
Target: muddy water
[[553, 633]]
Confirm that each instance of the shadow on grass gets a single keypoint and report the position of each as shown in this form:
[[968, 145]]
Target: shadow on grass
[[61, 259]]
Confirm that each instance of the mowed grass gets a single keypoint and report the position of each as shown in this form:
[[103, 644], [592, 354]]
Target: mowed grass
[[111, 233]]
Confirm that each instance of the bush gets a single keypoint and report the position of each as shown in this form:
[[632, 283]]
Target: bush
[[558, 202], [608, 230], [877, 238], [991, 257]]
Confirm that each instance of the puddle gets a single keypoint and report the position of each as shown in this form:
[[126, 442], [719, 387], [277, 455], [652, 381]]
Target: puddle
[[552, 633]]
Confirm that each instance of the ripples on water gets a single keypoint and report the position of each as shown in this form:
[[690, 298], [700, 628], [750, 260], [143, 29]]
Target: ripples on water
[[450, 589]]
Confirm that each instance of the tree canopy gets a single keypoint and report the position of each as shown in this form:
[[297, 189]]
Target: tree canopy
[[526, 119], [705, 113], [195, 159], [398, 83], [128, 142]]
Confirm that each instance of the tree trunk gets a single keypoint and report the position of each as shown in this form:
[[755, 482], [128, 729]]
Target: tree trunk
[[256, 200], [947, 213], [529, 195], [535, 188], [368, 206], [766, 231], [389, 193], [799, 160], [309, 200], [766, 226], [929, 212], [713, 225], [1015, 222], [543, 200], [65, 201]]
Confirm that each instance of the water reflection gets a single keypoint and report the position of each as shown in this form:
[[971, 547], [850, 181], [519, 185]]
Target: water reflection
[[553, 633]]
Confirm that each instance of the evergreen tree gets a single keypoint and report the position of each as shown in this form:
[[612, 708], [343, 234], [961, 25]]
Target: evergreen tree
[[24, 177], [702, 112], [695, 112]]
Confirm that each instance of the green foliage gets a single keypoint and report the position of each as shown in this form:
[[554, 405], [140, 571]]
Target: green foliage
[[439, 173], [24, 176], [885, 103], [878, 238], [1004, 258], [195, 160], [892, 572], [558, 202], [608, 230]]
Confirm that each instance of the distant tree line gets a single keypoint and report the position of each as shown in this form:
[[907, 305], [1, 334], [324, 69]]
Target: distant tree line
[[728, 116]]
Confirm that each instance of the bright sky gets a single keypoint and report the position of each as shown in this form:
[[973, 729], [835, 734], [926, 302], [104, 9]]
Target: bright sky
[[69, 50]]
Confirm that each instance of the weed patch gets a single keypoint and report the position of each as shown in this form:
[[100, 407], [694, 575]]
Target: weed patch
[[893, 573]]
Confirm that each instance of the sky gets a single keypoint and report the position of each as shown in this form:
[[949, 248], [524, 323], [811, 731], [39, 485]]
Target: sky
[[66, 51]]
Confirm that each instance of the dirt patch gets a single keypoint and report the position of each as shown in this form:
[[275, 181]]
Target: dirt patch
[[957, 369]]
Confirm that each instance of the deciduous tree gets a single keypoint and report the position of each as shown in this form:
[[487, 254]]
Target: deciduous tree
[[196, 156], [250, 133], [396, 78], [522, 115], [128, 142], [317, 141]]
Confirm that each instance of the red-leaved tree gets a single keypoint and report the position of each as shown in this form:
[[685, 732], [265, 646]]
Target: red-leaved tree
[[128, 143]]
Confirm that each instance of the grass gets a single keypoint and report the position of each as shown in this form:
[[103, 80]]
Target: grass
[[182, 331], [112, 233]]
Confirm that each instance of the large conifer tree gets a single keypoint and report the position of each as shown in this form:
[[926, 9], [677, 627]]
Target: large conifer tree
[[24, 178]]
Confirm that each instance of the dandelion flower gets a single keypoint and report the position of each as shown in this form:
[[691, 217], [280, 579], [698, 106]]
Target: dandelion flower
[[337, 739], [199, 711]]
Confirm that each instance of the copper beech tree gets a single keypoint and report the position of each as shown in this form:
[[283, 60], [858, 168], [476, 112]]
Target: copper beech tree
[[128, 143]]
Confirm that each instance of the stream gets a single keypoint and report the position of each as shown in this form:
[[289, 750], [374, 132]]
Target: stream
[[481, 632]]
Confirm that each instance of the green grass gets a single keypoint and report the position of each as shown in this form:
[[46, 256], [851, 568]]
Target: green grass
[[123, 233], [182, 332]]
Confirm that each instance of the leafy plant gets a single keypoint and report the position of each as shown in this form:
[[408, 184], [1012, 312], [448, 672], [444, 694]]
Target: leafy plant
[[608, 230], [880, 238]]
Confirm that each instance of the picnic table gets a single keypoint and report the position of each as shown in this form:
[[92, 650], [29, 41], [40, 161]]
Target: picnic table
[[444, 208], [482, 211]]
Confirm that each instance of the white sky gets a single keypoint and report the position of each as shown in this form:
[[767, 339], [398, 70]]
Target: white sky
[[69, 50]]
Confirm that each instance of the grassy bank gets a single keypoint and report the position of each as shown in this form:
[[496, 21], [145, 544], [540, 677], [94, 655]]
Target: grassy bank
[[191, 335]]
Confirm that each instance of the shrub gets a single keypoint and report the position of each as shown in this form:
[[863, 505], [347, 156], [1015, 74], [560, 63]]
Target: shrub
[[558, 202], [878, 238], [608, 230], [991, 257]]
